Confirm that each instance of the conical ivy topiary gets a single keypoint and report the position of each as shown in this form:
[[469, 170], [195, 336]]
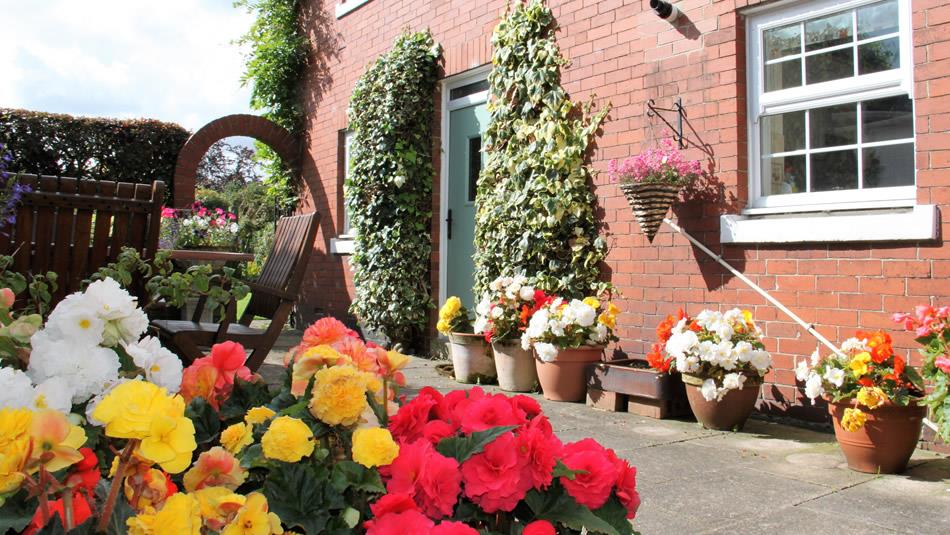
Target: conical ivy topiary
[[535, 208], [389, 190]]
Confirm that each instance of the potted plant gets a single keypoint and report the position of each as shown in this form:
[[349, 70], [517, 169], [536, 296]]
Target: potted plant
[[199, 228], [471, 355], [501, 316], [932, 327], [567, 336], [873, 399], [651, 181], [721, 358]]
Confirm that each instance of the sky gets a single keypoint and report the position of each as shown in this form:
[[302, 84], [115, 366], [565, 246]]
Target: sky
[[171, 60]]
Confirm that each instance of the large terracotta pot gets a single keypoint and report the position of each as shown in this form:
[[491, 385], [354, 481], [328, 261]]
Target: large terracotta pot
[[471, 357], [728, 414], [885, 442], [564, 379], [515, 366]]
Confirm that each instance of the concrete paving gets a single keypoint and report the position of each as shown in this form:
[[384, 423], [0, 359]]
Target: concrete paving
[[769, 478]]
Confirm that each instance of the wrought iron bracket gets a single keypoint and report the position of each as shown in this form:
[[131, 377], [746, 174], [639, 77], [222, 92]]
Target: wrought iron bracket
[[654, 111]]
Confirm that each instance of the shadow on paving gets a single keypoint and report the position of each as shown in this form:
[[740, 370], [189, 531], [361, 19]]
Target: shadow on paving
[[769, 478]]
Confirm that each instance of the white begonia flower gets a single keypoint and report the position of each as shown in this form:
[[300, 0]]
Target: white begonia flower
[[54, 393], [709, 319], [526, 293], [128, 329], [483, 307], [815, 357], [813, 387], [538, 324], [760, 360], [725, 331], [87, 370], [707, 351], [585, 314], [709, 390], [691, 364], [496, 284], [733, 381], [480, 324], [556, 327], [834, 376], [233, 228], [681, 343], [733, 316], [852, 346], [525, 341], [742, 351], [546, 352], [600, 333], [77, 318], [16, 389], [497, 312], [802, 370], [161, 366]]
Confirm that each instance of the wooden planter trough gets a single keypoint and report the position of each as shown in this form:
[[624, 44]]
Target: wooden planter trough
[[629, 385]]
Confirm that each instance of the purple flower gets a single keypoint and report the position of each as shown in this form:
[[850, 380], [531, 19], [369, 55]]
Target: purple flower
[[664, 164]]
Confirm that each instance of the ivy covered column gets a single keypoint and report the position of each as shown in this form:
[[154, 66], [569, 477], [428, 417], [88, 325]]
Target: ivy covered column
[[535, 208], [389, 190]]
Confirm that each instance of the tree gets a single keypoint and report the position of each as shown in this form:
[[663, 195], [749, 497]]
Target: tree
[[227, 163]]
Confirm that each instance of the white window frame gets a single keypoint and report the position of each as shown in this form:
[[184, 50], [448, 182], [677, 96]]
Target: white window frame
[[865, 87], [343, 243], [346, 6]]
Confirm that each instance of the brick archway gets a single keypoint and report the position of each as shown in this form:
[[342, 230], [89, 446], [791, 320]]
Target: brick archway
[[245, 125]]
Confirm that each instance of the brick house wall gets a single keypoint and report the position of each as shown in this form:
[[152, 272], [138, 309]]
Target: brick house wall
[[622, 53]]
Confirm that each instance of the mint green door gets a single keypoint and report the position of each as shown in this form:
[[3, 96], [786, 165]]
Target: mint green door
[[466, 126]]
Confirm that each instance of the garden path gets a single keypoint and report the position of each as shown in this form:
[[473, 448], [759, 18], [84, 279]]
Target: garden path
[[769, 478]]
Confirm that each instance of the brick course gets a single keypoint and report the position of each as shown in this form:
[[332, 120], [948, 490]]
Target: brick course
[[624, 55]]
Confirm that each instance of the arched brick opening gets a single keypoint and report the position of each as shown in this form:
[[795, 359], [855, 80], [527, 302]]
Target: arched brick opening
[[245, 125]]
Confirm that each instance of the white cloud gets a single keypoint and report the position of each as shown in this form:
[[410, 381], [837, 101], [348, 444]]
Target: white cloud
[[171, 60]]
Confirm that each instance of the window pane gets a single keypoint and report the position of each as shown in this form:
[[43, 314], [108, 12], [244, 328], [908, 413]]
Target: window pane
[[784, 41], [470, 89], [879, 56], [889, 166], [833, 125], [828, 31], [783, 175], [887, 118], [783, 75], [829, 66], [834, 170], [783, 133], [474, 166], [877, 19]]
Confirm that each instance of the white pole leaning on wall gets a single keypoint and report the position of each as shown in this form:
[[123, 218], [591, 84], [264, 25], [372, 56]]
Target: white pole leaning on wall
[[807, 326]]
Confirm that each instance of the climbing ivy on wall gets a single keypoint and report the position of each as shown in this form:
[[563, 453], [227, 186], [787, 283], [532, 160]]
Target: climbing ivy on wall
[[389, 190], [274, 64], [535, 208]]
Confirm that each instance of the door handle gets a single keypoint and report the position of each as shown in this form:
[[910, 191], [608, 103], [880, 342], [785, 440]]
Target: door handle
[[448, 222]]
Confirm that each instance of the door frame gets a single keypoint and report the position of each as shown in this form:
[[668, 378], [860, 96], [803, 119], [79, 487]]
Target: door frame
[[452, 82]]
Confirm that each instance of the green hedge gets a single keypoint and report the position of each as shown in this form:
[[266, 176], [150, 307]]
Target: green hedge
[[85, 147]]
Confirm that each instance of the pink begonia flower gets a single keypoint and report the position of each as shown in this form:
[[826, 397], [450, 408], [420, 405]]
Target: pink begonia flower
[[943, 364]]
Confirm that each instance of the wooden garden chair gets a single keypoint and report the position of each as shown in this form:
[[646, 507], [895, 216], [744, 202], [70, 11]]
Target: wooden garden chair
[[272, 296], [75, 226]]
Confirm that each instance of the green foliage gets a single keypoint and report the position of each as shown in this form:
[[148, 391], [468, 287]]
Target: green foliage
[[389, 190], [205, 419], [139, 151], [558, 507], [461, 448], [534, 207], [300, 494], [274, 65], [936, 345]]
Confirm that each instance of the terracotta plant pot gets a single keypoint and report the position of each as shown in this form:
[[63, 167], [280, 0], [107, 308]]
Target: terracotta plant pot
[[650, 203], [885, 442], [471, 357], [728, 414], [564, 379], [515, 366]]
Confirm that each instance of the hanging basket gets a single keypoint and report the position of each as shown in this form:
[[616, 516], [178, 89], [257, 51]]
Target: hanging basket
[[650, 203]]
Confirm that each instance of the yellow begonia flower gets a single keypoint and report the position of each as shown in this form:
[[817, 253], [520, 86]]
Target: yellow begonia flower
[[443, 326], [871, 397], [56, 442], [216, 467], [287, 439], [395, 361], [218, 505], [853, 419], [236, 437], [141, 524], [150, 488], [128, 410], [374, 447], [15, 427], [339, 395], [592, 302], [259, 415], [170, 442], [747, 316], [254, 519], [859, 364], [181, 515], [450, 308], [307, 364]]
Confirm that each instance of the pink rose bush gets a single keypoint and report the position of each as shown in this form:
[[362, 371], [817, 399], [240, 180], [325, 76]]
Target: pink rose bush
[[931, 326]]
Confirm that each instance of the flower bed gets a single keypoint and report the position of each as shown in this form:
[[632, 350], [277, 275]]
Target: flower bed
[[103, 430]]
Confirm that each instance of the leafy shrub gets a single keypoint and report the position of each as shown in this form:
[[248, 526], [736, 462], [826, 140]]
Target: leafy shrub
[[389, 191], [138, 151], [534, 208]]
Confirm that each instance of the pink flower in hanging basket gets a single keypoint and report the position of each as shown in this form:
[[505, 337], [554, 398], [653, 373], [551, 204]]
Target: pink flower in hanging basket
[[660, 165]]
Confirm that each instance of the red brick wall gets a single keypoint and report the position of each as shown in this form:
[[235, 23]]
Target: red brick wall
[[622, 53]]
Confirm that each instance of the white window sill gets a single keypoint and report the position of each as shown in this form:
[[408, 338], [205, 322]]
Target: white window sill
[[914, 223], [350, 5], [343, 245]]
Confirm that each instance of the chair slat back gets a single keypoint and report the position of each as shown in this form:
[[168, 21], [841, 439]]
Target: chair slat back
[[74, 227], [286, 263]]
